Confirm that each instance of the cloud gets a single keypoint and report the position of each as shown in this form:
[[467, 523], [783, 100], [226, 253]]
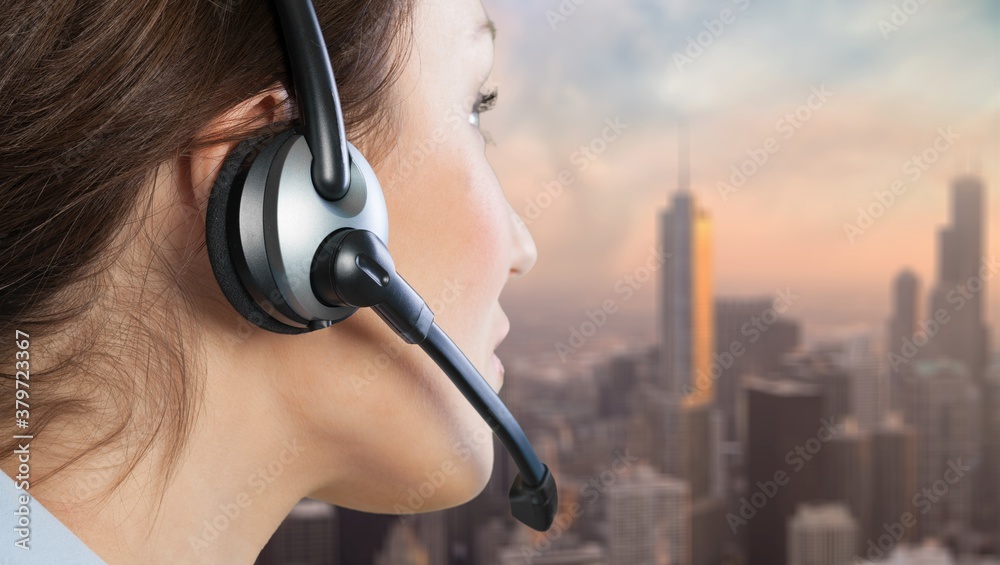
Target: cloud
[[616, 59]]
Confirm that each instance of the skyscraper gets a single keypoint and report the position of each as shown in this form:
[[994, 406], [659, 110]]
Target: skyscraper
[[845, 466], [821, 535], [432, 531], [618, 380], [686, 300], [686, 390], [894, 478], [906, 311], [649, 517], [824, 367], [694, 430], [989, 502], [870, 387], [402, 547], [943, 406], [783, 415], [963, 275], [923, 555], [567, 549], [702, 432], [906, 314], [491, 537], [308, 535], [960, 280], [762, 355]]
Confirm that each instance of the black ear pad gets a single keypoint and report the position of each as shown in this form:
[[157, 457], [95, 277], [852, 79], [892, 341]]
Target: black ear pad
[[220, 217]]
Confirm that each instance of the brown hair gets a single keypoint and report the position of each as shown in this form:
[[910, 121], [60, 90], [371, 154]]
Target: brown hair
[[94, 96]]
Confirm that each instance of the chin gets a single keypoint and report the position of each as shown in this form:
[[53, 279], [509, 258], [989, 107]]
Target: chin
[[444, 480], [451, 480], [466, 483], [459, 469]]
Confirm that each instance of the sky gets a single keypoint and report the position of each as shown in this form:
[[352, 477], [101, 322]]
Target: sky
[[832, 99]]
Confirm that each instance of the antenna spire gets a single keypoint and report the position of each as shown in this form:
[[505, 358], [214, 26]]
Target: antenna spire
[[683, 156]]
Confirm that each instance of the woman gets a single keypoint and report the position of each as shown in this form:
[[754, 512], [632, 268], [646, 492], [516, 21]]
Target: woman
[[165, 428]]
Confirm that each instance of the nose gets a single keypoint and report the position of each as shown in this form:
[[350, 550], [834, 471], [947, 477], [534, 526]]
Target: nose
[[524, 252]]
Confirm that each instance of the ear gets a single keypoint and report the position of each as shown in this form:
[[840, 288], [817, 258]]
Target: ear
[[270, 106], [193, 174]]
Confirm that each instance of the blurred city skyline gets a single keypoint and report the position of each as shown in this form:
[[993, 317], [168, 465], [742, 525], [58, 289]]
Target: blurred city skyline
[[808, 444], [870, 95]]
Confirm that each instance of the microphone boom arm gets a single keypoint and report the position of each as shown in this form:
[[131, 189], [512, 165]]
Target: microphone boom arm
[[353, 268]]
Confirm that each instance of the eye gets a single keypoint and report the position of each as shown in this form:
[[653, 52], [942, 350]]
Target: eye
[[485, 102]]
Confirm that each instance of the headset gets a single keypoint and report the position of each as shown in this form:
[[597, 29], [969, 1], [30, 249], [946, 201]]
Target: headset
[[296, 232]]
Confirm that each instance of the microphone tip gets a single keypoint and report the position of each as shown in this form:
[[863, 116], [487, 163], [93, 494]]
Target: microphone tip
[[536, 506]]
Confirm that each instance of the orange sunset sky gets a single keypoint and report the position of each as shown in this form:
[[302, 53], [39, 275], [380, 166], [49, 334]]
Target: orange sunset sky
[[894, 74]]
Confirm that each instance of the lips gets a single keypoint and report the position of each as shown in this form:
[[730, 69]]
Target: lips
[[499, 369], [504, 330]]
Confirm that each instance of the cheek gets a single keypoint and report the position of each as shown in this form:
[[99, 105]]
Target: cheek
[[448, 230], [450, 237]]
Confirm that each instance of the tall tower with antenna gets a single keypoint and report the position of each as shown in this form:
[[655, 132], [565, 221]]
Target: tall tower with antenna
[[689, 422], [686, 289]]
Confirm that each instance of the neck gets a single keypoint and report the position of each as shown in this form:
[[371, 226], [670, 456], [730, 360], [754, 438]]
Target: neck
[[239, 476]]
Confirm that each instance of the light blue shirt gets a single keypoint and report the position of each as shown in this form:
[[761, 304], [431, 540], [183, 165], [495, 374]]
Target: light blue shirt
[[49, 541]]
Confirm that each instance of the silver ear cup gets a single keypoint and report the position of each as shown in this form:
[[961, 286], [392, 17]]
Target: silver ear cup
[[283, 221]]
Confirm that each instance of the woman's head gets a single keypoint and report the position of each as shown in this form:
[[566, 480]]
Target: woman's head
[[116, 118]]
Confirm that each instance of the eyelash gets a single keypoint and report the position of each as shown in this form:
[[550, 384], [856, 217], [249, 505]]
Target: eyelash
[[485, 102]]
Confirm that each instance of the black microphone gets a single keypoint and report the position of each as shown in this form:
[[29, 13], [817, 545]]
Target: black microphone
[[353, 268]]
